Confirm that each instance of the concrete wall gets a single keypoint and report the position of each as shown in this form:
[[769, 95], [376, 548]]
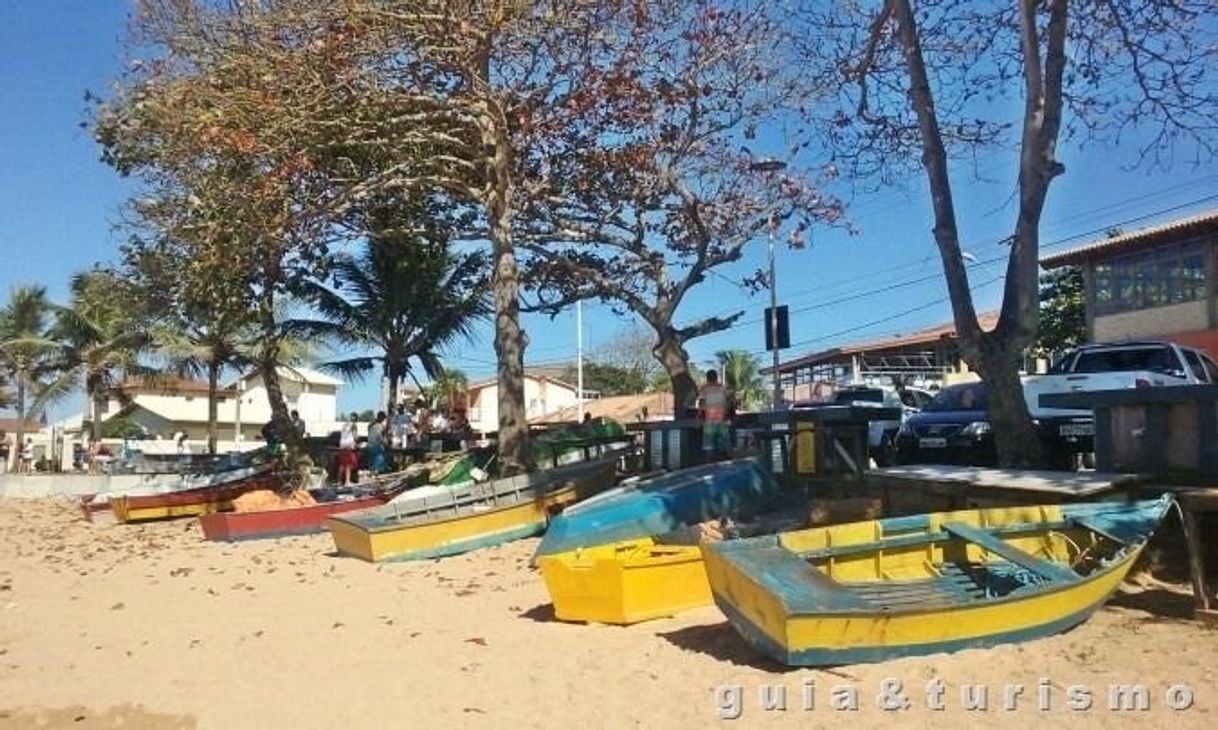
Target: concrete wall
[[1152, 323]]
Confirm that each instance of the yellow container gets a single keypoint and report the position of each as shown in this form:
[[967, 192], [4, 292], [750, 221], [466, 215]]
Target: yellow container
[[625, 582]]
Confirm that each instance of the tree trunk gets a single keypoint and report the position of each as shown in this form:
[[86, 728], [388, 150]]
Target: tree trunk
[[93, 391], [16, 450], [213, 406], [509, 339], [1015, 434], [394, 378], [994, 355], [268, 367], [672, 355]]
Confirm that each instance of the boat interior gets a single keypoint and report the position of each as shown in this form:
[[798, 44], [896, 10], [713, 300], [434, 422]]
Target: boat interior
[[933, 560]]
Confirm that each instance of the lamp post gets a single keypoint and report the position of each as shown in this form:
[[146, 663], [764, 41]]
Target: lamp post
[[767, 166]]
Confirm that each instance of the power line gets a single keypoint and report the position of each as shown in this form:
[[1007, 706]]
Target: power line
[[1085, 215], [923, 279]]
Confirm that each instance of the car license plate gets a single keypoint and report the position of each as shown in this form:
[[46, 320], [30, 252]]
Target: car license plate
[[936, 443], [1077, 429]]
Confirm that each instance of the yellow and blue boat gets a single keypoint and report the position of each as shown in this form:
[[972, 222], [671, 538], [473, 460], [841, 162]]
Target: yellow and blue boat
[[904, 586], [612, 559], [464, 518]]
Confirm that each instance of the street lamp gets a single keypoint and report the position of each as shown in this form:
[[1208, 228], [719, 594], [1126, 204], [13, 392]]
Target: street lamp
[[772, 165]]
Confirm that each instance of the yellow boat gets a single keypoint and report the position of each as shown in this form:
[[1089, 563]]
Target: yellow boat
[[903, 586], [625, 582], [469, 517]]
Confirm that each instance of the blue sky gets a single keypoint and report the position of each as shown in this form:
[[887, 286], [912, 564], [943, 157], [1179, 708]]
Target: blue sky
[[58, 202]]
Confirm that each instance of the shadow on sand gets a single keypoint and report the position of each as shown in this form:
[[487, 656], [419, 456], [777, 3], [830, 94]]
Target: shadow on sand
[[541, 613], [1161, 604], [721, 642]]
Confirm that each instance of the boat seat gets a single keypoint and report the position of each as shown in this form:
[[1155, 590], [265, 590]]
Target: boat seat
[[1043, 568], [1112, 529]]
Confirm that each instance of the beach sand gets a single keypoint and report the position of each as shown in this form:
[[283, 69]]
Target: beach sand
[[151, 627]]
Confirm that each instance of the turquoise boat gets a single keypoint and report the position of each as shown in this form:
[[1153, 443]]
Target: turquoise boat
[[661, 505], [907, 586]]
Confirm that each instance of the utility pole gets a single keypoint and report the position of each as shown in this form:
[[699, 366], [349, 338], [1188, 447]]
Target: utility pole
[[579, 359], [773, 166]]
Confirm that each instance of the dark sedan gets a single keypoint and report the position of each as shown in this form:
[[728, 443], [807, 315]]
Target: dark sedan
[[954, 428]]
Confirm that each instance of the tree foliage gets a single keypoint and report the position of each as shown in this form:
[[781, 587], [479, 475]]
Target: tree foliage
[[638, 210], [101, 335], [740, 372], [406, 297], [26, 350], [1063, 310]]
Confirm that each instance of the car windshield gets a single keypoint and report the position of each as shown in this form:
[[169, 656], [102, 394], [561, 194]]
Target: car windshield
[[1154, 359], [855, 395], [967, 397]]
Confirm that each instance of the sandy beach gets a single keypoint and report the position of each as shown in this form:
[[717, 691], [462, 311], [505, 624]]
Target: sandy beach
[[151, 627]]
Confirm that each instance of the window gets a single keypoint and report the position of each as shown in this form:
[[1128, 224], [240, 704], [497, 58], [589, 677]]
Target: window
[[1127, 359], [965, 397], [1194, 364], [1210, 368], [1166, 275], [859, 395]]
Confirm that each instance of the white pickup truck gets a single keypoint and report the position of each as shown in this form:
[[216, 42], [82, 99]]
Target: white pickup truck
[[1111, 367]]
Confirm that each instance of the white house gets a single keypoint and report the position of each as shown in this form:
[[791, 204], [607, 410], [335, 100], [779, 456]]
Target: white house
[[542, 394], [169, 405]]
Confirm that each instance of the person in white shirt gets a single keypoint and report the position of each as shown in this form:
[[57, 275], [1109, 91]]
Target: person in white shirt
[[348, 456], [400, 427]]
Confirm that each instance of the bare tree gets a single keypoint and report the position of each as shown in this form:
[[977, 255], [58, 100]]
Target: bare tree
[[928, 79], [640, 211]]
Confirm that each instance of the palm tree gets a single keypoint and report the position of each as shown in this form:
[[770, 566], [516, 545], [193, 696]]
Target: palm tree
[[448, 388], [25, 350], [742, 376], [200, 348], [100, 339], [404, 298]]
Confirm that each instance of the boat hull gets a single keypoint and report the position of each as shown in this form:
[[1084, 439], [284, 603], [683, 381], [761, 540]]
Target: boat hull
[[468, 519], [792, 600], [626, 582], [234, 526], [660, 505], [188, 503]]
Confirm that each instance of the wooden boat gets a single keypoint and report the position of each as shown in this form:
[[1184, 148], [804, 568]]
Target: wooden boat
[[660, 505], [646, 578], [467, 517], [190, 502], [93, 504], [904, 586], [304, 520]]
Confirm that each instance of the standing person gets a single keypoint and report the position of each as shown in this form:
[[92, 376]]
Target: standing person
[[422, 421], [299, 424], [713, 404], [400, 426], [376, 443], [181, 444], [27, 457], [6, 449], [348, 457]]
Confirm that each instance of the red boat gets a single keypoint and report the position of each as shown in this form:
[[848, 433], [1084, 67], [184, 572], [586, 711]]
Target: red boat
[[280, 522], [190, 502]]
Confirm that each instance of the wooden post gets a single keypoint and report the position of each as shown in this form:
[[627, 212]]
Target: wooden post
[[1190, 504]]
